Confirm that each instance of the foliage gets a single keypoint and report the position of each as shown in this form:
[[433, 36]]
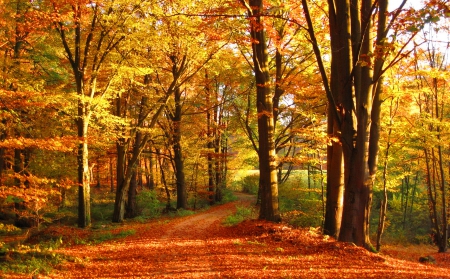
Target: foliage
[[301, 206], [164, 47], [148, 204], [106, 236], [30, 259], [9, 229], [228, 196], [181, 212], [248, 184], [242, 213]]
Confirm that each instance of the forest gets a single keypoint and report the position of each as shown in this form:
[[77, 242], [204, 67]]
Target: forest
[[311, 120]]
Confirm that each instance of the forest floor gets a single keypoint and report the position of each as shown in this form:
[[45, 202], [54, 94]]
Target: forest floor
[[200, 246]]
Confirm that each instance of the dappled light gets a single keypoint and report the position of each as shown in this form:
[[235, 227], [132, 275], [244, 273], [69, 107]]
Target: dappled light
[[200, 246]]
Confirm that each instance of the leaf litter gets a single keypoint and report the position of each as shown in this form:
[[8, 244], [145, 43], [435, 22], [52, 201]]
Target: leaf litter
[[200, 246]]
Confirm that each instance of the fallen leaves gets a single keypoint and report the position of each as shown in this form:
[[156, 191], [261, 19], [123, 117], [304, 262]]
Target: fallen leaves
[[199, 246]]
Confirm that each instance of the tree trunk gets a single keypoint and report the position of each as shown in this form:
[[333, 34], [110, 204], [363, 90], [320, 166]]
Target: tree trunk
[[384, 201], [355, 77], [211, 140], [111, 175], [335, 187], [264, 102], [131, 206], [177, 152], [341, 64], [123, 188], [84, 204]]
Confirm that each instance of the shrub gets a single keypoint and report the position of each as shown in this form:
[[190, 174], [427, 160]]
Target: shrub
[[228, 196], [242, 213], [250, 184], [148, 203], [9, 229]]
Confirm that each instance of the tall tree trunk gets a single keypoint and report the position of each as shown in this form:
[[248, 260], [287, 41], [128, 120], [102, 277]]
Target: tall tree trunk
[[139, 144], [384, 200], [340, 91], [121, 147], [268, 182], [84, 204], [211, 140], [177, 152], [355, 81], [111, 175], [2, 154], [335, 186]]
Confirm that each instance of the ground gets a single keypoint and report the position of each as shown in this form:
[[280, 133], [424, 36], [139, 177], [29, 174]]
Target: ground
[[200, 246]]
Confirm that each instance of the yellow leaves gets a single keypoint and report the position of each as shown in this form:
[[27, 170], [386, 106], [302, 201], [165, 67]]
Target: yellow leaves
[[62, 144]]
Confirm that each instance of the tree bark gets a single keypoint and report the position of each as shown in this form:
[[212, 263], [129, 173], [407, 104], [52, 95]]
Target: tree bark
[[353, 96], [84, 204], [131, 205], [266, 150], [177, 152], [138, 145]]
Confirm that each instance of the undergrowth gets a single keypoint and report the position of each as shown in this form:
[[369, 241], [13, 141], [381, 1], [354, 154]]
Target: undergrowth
[[33, 259], [242, 213]]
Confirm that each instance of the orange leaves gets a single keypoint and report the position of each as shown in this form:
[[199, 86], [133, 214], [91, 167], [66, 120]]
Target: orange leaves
[[198, 246], [62, 144]]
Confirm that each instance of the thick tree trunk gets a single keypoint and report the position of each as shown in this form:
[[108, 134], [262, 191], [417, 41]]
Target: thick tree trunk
[[335, 188], [361, 160], [266, 151], [177, 151], [352, 95], [124, 186], [131, 205]]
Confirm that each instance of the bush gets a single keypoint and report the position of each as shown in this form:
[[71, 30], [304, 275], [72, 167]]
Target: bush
[[228, 196], [242, 213], [250, 184], [148, 203], [9, 229]]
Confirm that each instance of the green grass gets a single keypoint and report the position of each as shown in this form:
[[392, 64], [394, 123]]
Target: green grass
[[181, 213], [242, 213], [30, 259]]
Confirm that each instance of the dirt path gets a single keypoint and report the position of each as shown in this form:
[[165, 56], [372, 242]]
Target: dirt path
[[199, 246], [194, 226], [181, 248]]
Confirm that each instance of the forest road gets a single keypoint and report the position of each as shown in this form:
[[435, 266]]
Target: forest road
[[200, 246], [185, 247], [195, 225]]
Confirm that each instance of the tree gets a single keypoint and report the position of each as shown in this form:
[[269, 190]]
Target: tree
[[96, 30], [353, 92], [433, 104], [266, 144]]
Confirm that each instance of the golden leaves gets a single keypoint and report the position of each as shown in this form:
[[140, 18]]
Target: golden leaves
[[62, 144]]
